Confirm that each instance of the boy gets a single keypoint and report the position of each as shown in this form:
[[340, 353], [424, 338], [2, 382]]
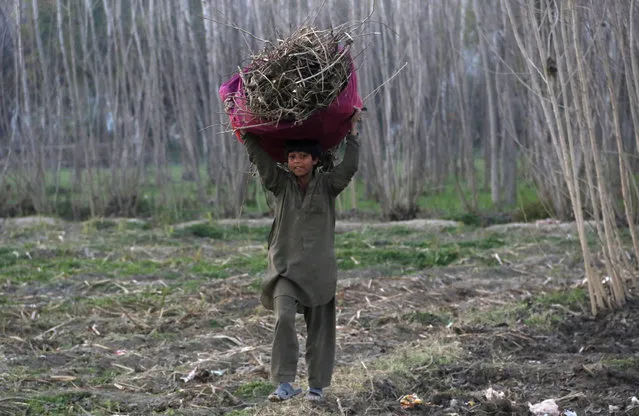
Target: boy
[[302, 269]]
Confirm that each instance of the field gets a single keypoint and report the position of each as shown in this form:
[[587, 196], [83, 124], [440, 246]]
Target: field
[[111, 317]]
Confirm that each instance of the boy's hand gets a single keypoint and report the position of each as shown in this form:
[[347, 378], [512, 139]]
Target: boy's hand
[[355, 118]]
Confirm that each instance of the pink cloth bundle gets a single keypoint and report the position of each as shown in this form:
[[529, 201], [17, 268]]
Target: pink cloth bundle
[[329, 126]]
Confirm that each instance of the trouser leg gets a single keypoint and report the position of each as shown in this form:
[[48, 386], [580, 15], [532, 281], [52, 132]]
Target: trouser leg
[[285, 346], [320, 344]]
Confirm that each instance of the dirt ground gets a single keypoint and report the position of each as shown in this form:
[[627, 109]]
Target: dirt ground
[[446, 334]]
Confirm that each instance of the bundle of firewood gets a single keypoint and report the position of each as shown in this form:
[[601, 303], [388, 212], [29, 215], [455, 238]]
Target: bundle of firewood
[[293, 77]]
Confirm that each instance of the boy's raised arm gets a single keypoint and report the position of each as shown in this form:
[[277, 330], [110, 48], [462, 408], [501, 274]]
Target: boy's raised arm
[[340, 177], [344, 172], [271, 175]]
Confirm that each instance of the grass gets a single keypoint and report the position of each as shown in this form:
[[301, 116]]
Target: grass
[[403, 258], [406, 359], [625, 364], [576, 300], [446, 203], [9, 256], [54, 405], [398, 248], [254, 390], [405, 249], [162, 302], [544, 311], [219, 232], [50, 264]]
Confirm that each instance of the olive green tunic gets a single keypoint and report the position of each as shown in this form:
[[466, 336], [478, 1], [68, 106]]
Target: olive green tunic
[[302, 238]]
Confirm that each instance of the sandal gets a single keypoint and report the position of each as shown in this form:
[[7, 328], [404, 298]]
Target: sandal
[[283, 392], [314, 395]]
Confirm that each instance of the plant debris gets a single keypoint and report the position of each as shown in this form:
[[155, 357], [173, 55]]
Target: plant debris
[[410, 401]]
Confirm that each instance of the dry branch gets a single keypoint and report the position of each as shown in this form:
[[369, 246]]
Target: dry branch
[[54, 329], [290, 79]]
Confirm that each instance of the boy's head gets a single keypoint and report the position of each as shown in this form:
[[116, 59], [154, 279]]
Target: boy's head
[[302, 156], [312, 147]]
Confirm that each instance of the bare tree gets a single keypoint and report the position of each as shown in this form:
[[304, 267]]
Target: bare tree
[[491, 103], [565, 91]]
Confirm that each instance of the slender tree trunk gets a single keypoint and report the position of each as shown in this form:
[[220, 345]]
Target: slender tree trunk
[[491, 103]]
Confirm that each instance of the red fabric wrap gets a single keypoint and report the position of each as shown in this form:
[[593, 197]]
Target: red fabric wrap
[[329, 125]]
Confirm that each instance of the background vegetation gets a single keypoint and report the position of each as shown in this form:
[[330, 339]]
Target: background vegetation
[[110, 108]]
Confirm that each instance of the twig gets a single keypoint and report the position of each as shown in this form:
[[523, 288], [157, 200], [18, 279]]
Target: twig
[[423, 367], [571, 396], [129, 370], [124, 289], [370, 379], [122, 386], [55, 328], [565, 309], [234, 399], [386, 82], [135, 322], [232, 339], [341, 409], [232, 26], [514, 334]]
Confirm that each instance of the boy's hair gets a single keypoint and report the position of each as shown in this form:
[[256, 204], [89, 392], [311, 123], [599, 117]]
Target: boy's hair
[[312, 147]]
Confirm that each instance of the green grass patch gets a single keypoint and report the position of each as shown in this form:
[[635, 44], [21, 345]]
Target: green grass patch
[[218, 323], [408, 358], [629, 363], [60, 263], [514, 314], [46, 270], [397, 231], [419, 258], [219, 232], [576, 300], [256, 285], [508, 315], [447, 203], [100, 224], [99, 378], [544, 319], [9, 256], [488, 243], [407, 250], [386, 249], [254, 389], [544, 312], [56, 405]]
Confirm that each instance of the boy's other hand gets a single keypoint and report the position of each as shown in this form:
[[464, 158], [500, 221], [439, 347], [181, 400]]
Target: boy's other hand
[[355, 118]]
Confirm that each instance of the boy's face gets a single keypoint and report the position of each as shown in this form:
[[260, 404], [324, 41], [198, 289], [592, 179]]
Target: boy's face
[[301, 163]]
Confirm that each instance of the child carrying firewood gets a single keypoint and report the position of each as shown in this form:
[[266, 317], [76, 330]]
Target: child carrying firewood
[[302, 268]]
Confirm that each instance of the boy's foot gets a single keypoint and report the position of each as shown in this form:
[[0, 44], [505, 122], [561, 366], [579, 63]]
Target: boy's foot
[[314, 395], [283, 392]]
